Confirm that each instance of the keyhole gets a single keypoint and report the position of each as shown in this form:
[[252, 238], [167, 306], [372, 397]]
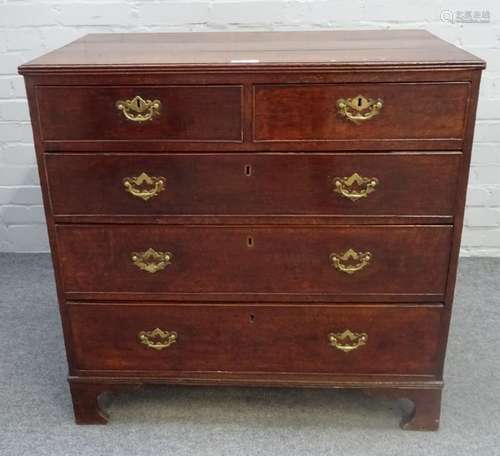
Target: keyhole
[[248, 170], [252, 318], [359, 102], [250, 242]]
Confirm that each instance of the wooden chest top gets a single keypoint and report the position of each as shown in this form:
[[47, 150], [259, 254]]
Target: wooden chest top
[[257, 50]]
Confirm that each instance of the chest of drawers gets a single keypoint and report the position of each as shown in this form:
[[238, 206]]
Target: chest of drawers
[[278, 209]]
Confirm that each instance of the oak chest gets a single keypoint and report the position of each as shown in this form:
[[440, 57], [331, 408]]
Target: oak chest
[[280, 209]]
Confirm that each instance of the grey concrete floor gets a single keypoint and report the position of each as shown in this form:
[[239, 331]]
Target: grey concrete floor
[[36, 415]]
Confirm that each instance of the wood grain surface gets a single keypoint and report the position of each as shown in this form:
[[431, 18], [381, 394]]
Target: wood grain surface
[[250, 141]]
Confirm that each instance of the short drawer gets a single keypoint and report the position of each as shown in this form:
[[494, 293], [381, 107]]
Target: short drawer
[[388, 184], [140, 113], [338, 262], [256, 338], [360, 112]]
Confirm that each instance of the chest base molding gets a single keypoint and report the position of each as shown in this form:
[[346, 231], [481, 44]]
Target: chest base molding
[[425, 396]]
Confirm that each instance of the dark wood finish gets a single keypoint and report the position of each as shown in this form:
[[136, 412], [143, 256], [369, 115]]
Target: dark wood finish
[[267, 100], [276, 219], [86, 396], [459, 218], [424, 416], [195, 113], [277, 260], [230, 51], [429, 110], [426, 411], [85, 403], [246, 184], [255, 338]]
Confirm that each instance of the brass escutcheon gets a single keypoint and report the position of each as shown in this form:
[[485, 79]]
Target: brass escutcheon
[[157, 339], [359, 109], [347, 341], [151, 261], [138, 109], [136, 186], [355, 187], [344, 262]]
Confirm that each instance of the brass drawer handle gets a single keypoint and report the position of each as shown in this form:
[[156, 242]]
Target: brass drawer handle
[[359, 109], [157, 339], [347, 341], [144, 186], [138, 109], [350, 261], [151, 260], [355, 187]]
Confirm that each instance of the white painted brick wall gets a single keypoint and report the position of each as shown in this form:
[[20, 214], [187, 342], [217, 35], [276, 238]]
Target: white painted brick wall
[[31, 28]]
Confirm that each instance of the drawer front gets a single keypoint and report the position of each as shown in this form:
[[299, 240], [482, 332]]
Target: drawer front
[[340, 112], [256, 338], [243, 184], [341, 261], [167, 113]]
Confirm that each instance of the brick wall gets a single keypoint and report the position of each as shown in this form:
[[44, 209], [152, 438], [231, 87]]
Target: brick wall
[[31, 28]]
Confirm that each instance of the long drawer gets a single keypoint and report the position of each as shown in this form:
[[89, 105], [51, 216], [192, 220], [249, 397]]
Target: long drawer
[[338, 262], [340, 112], [243, 184], [255, 338], [141, 113]]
